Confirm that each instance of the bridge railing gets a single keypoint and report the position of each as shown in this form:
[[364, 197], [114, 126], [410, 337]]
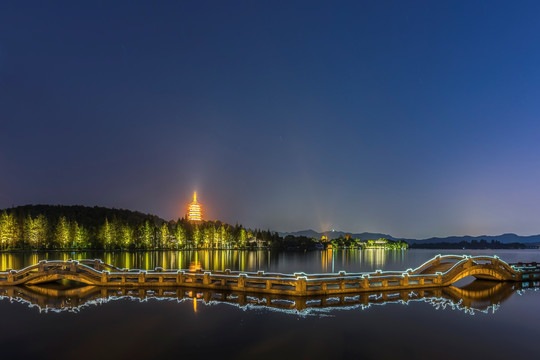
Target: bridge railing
[[294, 282], [95, 272], [48, 267], [99, 265], [437, 260], [341, 282]]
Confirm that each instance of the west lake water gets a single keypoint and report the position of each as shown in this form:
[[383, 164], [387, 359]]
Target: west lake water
[[503, 323]]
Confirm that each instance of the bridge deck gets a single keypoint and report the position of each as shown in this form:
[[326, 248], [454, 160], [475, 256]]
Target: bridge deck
[[438, 272]]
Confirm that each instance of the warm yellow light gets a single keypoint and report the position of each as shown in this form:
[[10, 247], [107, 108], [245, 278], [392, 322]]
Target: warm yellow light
[[194, 210]]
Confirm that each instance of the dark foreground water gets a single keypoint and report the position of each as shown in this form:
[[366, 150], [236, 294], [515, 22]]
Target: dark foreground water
[[471, 320]]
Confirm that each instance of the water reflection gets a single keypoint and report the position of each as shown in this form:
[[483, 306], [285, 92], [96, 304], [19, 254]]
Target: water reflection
[[315, 261], [209, 259], [352, 260], [478, 296]]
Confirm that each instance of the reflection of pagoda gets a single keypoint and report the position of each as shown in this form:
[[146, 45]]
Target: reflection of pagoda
[[194, 210]]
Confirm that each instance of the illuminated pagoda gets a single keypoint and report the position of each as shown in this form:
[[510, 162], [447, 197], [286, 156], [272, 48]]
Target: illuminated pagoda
[[194, 210]]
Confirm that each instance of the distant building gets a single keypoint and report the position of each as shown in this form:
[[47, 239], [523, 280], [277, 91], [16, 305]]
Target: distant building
[[195, 210]]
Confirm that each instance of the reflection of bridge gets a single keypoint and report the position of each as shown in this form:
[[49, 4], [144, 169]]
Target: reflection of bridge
[[440, 271], [478, 296]]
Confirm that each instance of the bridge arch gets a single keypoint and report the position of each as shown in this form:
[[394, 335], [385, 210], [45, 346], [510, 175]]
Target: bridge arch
[[45, 278], [481, 272], [453, 268]]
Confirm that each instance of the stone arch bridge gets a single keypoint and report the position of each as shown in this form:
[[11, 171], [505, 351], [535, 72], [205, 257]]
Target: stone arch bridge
[[440, 271]]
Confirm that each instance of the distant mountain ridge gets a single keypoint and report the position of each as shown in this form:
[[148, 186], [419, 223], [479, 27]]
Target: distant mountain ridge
[[503, 238]]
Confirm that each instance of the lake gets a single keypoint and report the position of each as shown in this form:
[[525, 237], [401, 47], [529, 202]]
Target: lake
[[470, 320]]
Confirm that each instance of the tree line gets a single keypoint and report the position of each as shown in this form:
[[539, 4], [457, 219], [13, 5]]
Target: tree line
[[48, 227], [44, 227], [381, 243]]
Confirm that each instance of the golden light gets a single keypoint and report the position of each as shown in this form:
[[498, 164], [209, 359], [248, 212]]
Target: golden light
[[194, 210]]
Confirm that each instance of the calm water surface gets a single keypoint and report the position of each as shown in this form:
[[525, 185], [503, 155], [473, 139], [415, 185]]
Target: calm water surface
[[286, 262], [129, 328]]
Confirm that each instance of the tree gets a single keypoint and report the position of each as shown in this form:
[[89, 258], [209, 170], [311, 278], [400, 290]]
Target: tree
[[146, 235], [208, 235], [197, 236], [79, 236], [164, 236], [9, 231], [61, 234], [223, 236], [42, 230], [107, 234], [126, 236], [242, 238], [180, 235]]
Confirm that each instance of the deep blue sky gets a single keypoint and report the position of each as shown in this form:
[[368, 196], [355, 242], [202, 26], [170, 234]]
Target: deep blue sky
[[410, 118]]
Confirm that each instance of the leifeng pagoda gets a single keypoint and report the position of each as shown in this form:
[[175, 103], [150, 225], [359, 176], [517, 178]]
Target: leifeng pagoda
[[194, 210]]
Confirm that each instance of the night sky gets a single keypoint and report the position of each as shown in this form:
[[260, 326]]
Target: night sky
[[414, 119]]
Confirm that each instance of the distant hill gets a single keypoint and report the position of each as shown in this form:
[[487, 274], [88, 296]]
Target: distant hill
[[504, 238], [91, 217]]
